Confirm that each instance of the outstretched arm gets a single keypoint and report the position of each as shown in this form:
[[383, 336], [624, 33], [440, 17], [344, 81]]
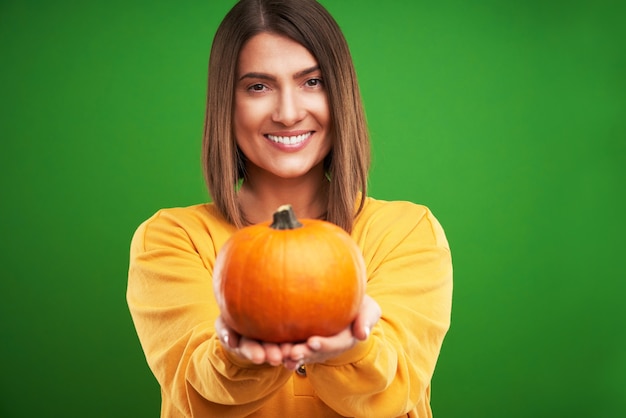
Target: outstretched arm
[[410, 277], [170, 297]]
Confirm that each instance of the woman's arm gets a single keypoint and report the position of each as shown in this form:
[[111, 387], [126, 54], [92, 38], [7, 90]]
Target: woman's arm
[[410, 277], [171, 301]]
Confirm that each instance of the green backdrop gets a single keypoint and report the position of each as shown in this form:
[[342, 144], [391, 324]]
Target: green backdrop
[[505, 117]]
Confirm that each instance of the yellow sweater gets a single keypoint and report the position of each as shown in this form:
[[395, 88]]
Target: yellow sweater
[[171, 300]]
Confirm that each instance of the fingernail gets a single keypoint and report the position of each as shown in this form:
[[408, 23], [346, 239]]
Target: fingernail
[[315, 345], [225, 338]]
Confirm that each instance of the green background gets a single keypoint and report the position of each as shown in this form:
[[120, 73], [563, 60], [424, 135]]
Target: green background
[[505, 117]]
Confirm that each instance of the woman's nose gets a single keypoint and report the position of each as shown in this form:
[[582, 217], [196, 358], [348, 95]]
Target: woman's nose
[[289, 109]]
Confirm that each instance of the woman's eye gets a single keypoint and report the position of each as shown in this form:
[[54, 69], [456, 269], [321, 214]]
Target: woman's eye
[[314, 82], [257, 87]]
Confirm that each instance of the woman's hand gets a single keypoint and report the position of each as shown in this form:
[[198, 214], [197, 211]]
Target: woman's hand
[[252, 350], [319, 349], [315, 350]]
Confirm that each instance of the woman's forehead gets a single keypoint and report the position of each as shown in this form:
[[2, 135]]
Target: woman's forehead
[[274, 54]]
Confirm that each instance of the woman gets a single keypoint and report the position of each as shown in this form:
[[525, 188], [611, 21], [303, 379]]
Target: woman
[[285, 124]]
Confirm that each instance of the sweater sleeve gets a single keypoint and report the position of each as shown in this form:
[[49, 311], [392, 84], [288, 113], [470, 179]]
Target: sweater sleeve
[[170, 297], [410, 276]]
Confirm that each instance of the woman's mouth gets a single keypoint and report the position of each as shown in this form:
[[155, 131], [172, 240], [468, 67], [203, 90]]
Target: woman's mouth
[[289, 140]]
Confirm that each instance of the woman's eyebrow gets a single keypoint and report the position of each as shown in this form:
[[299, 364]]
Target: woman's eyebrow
[[306, 71], [263, 76]]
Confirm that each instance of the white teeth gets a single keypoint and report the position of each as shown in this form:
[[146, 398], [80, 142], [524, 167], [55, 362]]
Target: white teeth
[[289, 140]]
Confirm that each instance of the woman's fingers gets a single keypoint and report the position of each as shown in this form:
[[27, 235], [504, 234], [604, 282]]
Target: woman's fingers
[[368, 316], [335, 344], [273, 354], [252, 350], [319, 349], [316, 349], [228, 337]]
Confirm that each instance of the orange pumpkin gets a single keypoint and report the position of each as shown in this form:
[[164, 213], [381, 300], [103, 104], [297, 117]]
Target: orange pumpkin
[[288, 280]]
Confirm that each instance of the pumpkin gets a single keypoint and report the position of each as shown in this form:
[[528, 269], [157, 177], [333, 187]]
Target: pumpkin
[[287, 280]]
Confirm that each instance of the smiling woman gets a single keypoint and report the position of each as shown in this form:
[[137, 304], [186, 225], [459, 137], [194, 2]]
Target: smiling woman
[[309, 25], [282, 127], [285, 125]]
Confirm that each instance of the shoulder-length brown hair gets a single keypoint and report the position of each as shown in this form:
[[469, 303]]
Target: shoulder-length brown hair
[[309, 24]]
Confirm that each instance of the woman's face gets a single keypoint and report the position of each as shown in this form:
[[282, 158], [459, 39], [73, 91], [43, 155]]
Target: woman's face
[[281, 117]]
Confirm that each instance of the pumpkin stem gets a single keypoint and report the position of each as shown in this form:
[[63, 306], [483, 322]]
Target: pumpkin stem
[[285, 218]]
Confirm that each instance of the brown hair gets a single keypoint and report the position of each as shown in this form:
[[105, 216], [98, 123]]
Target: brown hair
[[309, 24]]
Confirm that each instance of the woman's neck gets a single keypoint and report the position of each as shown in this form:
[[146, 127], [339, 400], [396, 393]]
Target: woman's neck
[[261, 194]]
